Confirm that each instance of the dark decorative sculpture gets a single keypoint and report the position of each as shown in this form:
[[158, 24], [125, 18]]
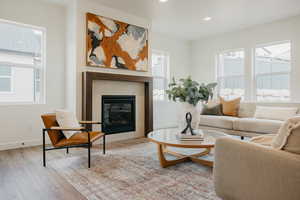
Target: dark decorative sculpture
[[188, 118]]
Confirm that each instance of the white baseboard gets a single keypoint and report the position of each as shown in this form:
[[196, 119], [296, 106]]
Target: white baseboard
[[21, 144], [31, 143]]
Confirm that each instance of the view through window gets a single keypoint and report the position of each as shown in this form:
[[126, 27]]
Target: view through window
[[160, 72], [5, 80], [272, 72], [21, 63], [230, 75]]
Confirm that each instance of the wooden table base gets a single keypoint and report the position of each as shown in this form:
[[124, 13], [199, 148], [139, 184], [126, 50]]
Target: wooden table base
[[162, 150]]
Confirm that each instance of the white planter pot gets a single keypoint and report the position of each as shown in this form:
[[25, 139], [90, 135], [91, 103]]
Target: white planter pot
[[194, 110]]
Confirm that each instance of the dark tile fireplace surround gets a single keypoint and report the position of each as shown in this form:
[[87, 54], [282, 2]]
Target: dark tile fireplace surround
[[119, 111]]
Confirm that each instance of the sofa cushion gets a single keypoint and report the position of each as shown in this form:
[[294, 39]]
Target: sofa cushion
[[257, 125], [225, 122], [275, 113]]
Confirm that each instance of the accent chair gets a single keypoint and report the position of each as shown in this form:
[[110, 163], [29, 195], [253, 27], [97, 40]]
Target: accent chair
[[83, 139]]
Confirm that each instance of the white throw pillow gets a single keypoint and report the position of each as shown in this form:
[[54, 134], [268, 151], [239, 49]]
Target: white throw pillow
[[275, 113], [67, 119]]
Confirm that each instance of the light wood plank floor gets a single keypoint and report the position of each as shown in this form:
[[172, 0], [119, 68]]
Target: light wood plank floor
[[22, 175]]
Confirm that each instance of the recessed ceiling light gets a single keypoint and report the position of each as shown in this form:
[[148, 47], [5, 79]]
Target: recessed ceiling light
[[163, 1], [207, 18]]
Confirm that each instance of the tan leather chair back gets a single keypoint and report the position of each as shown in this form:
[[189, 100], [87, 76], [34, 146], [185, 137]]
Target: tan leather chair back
[[50, 121]]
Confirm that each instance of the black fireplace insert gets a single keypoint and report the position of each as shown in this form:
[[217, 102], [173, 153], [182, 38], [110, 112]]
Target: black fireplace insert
[[118, 114]]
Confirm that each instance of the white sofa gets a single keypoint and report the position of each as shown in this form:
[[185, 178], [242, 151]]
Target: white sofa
[[245, 124]]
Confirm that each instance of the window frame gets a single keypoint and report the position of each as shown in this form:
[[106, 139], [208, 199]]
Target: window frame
[[11, 77], [219, 78], [250, 76], [42, 68], [255, 76], [166, 72]]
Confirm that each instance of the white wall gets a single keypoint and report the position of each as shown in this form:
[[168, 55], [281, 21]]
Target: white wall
[[22, 123], [66, 61], [204, 50], [93, 6], [71, 55], [165, 112], [76, 61], [180, 53]]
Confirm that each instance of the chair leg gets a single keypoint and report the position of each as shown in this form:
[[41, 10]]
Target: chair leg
[[89, 155], [67, 150], [44, 149], [104, 144]]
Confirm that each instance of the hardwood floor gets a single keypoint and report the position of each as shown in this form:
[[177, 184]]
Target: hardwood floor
[[22, 175]]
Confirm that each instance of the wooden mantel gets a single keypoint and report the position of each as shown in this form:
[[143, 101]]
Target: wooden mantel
[[87, 94]]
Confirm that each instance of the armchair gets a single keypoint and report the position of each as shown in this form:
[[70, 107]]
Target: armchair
[[248, 171], [84, 138]]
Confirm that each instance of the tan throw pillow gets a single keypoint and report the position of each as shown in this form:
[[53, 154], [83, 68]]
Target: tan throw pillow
[[230, 107]]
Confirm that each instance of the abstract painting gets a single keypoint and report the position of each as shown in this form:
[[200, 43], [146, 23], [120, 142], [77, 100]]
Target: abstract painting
[[115, 44]]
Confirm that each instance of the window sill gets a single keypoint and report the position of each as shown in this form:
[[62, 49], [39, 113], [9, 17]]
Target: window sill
[[20, 103], [160, 100], [7, 93], [271, 102]]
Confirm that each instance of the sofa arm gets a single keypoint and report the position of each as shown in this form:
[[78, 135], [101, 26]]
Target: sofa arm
[[247, 171]]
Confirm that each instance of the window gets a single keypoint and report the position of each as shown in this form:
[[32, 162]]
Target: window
[[21, 63], [272, 72], [230, 74], [160, 72], [5, 79], [268, 79]]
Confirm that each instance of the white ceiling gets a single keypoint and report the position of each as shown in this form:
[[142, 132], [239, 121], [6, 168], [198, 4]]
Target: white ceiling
[[183, 18]]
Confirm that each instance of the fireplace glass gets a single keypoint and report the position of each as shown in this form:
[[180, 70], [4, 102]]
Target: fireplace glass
[[118, 114]]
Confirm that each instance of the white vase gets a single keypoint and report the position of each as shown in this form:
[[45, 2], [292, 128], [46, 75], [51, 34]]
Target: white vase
[[194, 110]]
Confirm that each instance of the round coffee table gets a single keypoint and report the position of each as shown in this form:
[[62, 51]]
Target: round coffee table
[[168, 138]]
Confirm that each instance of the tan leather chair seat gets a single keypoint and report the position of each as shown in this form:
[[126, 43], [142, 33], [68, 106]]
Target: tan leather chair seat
[[59, 141], [79, 138]]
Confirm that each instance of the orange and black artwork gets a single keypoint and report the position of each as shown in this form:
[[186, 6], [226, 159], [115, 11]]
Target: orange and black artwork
[[115, 44]]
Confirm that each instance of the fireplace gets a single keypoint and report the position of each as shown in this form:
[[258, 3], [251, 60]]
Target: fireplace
[[118, 113], [88, 79]]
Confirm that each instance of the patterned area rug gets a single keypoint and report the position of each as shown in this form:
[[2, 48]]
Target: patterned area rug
[[131, 171]]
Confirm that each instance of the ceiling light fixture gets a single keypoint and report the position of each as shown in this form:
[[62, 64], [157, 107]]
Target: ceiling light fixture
[[163, 1], [207, 18]]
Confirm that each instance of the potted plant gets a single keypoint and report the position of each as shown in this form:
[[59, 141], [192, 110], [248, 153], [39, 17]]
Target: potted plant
[[190, 93]]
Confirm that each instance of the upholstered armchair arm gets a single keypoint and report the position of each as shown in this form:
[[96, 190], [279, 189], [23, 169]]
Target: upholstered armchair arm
[[57, 128], [244, 170], [90, 122]]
